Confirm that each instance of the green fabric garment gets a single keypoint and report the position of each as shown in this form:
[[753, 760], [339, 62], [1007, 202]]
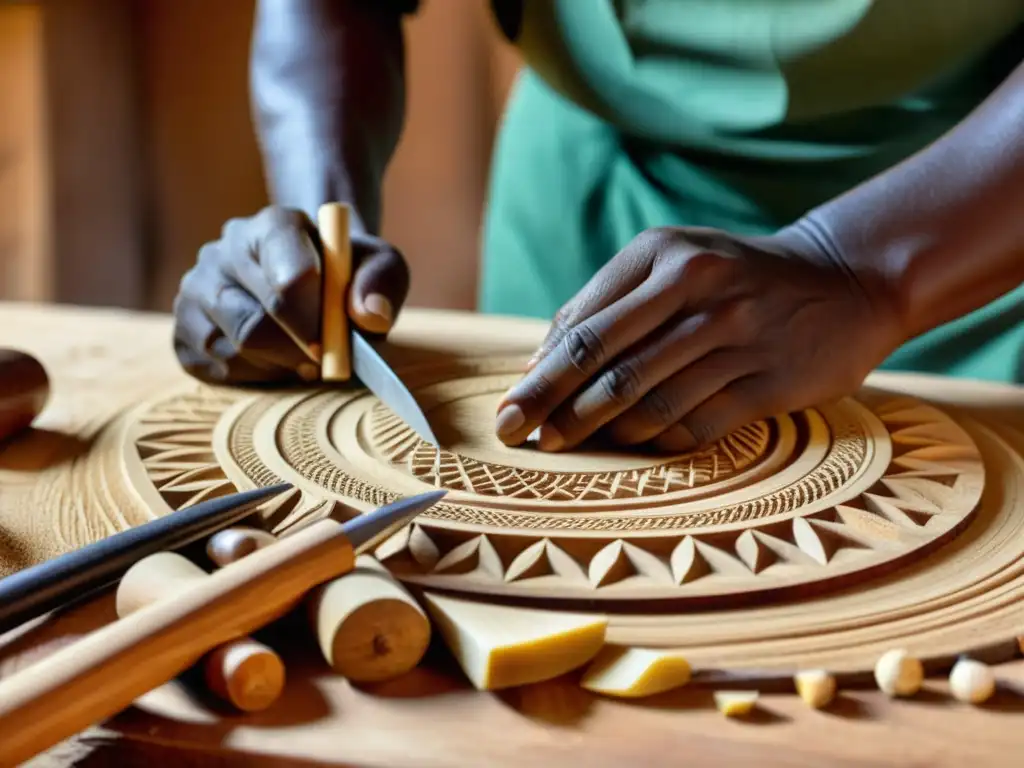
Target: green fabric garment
[[735, 114]]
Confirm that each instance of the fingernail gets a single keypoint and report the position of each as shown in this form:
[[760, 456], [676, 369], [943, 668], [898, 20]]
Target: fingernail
[[308, 371], [504, 399], [550, 439], [378, 305], [316, 352], [510, 419]]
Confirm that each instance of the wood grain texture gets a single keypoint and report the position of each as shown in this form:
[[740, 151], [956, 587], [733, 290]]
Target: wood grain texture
[[110, 364]]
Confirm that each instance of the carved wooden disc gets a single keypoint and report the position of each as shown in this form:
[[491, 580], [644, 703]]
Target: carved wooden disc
[[798, 504]]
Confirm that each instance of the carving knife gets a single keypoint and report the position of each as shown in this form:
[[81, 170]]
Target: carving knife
[[41, 588], [346, 351], [105, 671]]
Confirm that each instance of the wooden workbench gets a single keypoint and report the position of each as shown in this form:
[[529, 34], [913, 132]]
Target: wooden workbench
[[99, 360]]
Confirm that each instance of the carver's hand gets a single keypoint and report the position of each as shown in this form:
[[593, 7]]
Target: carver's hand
[[250, 307], [688, 334]]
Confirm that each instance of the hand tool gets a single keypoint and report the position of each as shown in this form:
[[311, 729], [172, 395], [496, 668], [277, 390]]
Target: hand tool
[[244, 672], [369, 628], [24, 390], [104, 672], [38, 589], [345, 351]]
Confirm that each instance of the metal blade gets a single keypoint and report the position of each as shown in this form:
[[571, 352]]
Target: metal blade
[[366, 531], [375, 373]]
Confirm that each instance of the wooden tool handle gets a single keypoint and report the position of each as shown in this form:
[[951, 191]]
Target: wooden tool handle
[[368, 627], [24, 390], [243, 672], [333, 223], [106, 671]]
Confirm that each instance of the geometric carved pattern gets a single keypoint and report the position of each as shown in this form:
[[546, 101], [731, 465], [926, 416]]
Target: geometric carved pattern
[[809, 501], [400, 445]]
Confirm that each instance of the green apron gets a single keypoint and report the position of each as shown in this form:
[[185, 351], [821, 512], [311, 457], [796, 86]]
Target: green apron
[[735, 114]]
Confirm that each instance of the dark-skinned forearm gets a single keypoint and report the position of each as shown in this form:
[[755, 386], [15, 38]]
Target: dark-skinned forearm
[[328, 91], [943, 231]]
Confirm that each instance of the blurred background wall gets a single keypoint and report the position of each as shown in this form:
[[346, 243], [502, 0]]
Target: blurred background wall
[[126, 142]]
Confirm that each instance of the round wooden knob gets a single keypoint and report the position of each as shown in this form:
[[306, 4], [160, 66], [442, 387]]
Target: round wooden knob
[[24, 390], [369, 628], [232, 544]]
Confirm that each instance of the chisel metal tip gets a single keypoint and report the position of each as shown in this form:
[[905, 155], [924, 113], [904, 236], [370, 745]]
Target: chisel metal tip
[[368, 529]]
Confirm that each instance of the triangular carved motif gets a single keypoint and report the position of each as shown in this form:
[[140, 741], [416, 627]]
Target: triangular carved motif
[[821, 540], [687, 563], [753, 552], [898, 511], [920, 492], [476, 554], [610, 565], [533, 562]]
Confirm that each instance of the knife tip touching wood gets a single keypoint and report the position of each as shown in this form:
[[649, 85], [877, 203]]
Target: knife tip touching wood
[[345, 350]]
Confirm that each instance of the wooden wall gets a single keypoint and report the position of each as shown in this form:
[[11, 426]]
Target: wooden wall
[[190, 161], [23, 271]]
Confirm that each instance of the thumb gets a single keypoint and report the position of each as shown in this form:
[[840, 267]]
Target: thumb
[[379, 285]]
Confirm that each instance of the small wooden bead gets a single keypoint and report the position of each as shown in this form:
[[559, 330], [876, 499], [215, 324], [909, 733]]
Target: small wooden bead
[[897, 673], [971, 681], [246, 673], [232, 544], [816, 687]]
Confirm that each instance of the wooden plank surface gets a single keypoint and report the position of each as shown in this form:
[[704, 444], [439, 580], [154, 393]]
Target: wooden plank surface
[[100, 360]]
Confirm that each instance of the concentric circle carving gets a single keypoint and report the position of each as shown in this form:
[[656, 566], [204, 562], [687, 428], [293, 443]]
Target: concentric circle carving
[[801, 503]]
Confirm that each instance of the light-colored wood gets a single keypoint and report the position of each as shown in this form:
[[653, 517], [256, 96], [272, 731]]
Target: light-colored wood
[[736, 703], [104, 672], [154, 578], [635, 672], [333, 224], [972, 681], [816, 687], [898, 673], [232, 544], [244, 672], [368, 627], [820, 506], [64, 485], [501, 647]]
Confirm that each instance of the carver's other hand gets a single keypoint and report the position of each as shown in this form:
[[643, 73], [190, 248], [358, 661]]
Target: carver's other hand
[[250, 307], [688, 334]]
